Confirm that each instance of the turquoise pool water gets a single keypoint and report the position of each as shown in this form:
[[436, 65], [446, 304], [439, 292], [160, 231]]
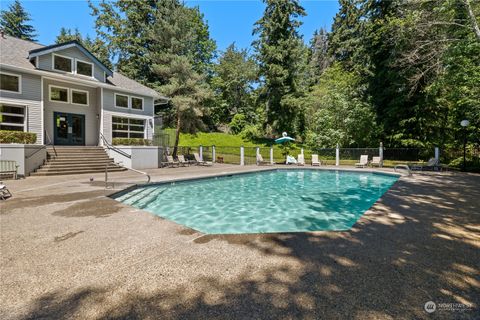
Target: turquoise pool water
[[271, 201]]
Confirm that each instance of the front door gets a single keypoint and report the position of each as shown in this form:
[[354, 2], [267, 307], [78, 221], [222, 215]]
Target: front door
[[69, 128]]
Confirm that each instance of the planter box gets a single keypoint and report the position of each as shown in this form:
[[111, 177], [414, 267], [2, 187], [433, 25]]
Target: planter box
[[142, 157], [28, 156]]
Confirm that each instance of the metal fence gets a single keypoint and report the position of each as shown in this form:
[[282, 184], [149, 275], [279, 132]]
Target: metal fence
[[347, 156]]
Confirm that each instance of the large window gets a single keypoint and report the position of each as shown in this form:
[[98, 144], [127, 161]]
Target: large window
[[127, 128], [58, 94], [61, 63], [80, 97], [84, 68], [121, 101], [137, 103], [10, 82], [12, 118]]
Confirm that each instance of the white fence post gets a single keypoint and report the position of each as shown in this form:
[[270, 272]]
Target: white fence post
[[437, 154], [301, 151], [271, 155], [257, 152], [380, 154], [214, 154], [242, 156], [201, 153], [337, 156]]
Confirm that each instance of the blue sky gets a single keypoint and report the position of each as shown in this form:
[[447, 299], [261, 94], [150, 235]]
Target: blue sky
[[228, 20]]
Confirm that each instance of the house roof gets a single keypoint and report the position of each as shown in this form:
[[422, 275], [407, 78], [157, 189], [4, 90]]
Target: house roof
[[65, 45], [15, 52]]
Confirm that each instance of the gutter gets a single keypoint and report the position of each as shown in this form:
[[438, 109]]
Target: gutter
[[89, 83]]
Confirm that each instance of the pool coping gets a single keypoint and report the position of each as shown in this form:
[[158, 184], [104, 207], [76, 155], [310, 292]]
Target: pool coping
[[119, 193]]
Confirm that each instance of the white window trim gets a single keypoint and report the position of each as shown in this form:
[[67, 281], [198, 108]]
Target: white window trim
[[115, 101], [50, 86], [86, 62], [24, 116], [66, 57], [19, 76], [131, 104], [145, 123], [78, 90]]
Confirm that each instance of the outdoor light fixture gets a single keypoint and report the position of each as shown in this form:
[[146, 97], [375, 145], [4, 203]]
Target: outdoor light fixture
[[464, 124]]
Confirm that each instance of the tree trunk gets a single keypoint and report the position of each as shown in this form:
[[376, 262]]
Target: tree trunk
[[475, 26], [177, 135]]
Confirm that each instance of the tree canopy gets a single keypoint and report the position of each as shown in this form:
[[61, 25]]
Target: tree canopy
[[15, 22]]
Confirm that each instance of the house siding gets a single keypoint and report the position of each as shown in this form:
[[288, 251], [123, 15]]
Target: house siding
[[109, 104], [31, 85], [45, 62], [92, 124], [30, 98]]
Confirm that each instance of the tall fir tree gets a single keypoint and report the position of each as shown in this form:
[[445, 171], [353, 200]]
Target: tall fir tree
[[279, 51], [15, 22], [173, 61], [124, 26]]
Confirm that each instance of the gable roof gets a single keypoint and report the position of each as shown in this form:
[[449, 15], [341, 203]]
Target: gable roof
[[14, 52], [65, 45]]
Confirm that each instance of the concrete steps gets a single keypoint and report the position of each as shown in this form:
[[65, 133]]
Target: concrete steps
[[66, 160]]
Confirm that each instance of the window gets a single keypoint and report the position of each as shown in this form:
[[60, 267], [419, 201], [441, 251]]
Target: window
[[12, 118], [84, 68], [10, 82], [127, 128], [80, 97], [58, 94], [121, 101], [61, 63], [137, 103]]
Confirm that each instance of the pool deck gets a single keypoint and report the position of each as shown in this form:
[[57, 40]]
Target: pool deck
[[70, 252]]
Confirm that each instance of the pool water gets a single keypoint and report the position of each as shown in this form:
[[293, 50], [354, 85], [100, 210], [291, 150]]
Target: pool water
[[270, 201]]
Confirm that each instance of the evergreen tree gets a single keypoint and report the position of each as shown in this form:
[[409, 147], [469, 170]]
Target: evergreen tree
[[173, 61], [233, 80], [124, 26], [279, 52], [319, 58], [14, 22]]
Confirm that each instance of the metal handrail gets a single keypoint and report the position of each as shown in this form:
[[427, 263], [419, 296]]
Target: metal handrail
[[51, 142], [121, 165], [111, 147], [41, 147]]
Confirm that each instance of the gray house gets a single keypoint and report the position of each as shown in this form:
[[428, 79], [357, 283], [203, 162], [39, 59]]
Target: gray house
[[65, 95], [71, 100]]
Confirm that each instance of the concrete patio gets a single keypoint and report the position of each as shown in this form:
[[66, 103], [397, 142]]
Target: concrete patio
[[68, 251]]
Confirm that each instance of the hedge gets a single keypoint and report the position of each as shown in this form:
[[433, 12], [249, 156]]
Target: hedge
[[131, 142], [7, 136]]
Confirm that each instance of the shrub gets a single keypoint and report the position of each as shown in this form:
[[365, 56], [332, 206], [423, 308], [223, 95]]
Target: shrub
[[471, 165], [251, 132], [131, 142], [7, 136], [238, 123]]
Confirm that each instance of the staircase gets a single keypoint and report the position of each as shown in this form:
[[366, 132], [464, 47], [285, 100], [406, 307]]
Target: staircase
[[76, 160]]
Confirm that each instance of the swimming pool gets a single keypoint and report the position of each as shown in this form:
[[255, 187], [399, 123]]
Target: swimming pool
[[284, 200]]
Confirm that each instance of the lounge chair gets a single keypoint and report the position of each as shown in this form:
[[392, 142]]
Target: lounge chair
[[315, 161], [4, 192], [260, 160], [363, 161], [376, 161], [200, 161], [301, 160], [182, 161], [170, 162], [432, 164]]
